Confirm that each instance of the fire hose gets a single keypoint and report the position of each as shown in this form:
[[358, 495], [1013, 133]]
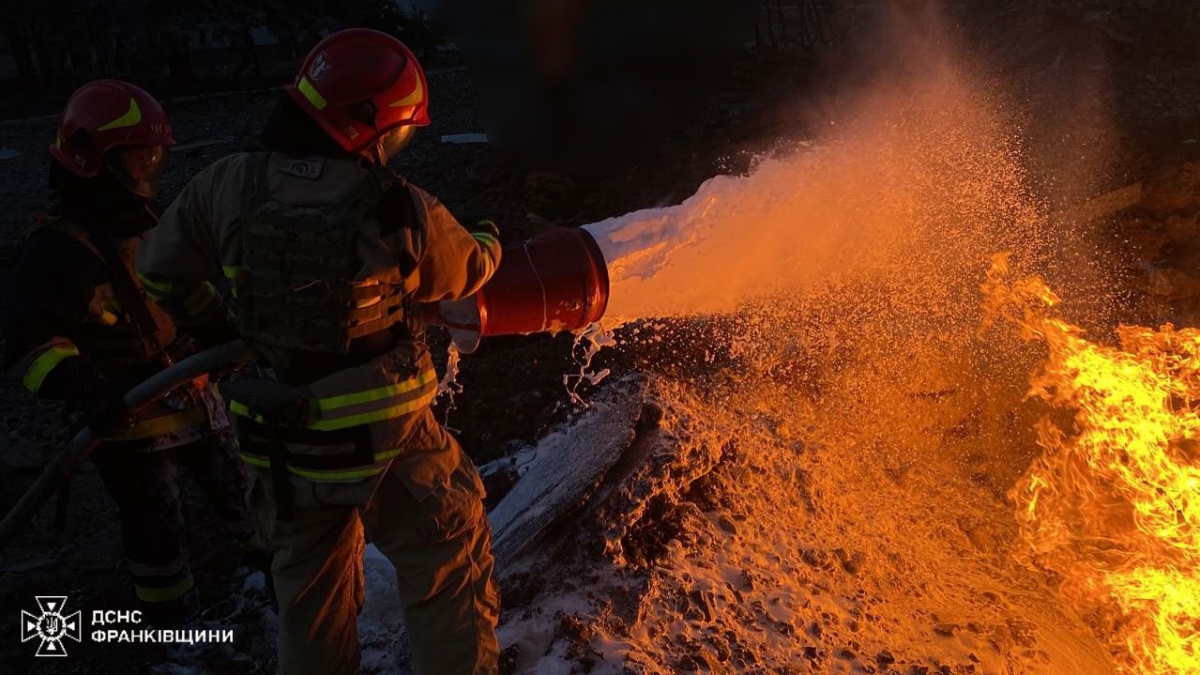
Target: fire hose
[[229, 355]]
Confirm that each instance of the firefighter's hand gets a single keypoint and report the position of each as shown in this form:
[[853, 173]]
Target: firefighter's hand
[[107, 413]]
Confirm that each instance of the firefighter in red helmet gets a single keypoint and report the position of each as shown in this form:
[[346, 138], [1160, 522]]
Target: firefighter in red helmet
[[330, 254], [79, 328]]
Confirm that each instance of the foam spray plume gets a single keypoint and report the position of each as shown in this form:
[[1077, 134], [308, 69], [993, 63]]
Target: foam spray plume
[[911, 175]]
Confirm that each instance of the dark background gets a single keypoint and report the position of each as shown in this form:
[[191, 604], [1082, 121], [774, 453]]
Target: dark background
[[568, 84]]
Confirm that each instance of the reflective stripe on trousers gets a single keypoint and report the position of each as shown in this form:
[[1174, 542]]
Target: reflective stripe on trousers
[[166, 593]]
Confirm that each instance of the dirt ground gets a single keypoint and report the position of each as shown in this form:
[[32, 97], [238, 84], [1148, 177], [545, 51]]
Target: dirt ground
[[513, 388]]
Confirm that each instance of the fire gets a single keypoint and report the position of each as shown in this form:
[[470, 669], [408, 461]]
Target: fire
[[1111, 507]]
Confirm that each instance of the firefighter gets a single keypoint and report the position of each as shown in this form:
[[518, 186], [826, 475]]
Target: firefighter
[[330, 256], [79, 328]]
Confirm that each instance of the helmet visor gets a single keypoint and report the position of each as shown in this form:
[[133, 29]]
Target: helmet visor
[[138, 168]]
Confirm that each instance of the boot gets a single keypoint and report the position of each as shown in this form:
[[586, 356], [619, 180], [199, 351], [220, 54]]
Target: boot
[[173, 613]]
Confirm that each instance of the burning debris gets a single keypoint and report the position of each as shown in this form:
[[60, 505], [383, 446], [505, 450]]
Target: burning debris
[[1109, 508]]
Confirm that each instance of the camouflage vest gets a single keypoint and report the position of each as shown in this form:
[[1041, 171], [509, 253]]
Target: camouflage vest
[[296, 291]]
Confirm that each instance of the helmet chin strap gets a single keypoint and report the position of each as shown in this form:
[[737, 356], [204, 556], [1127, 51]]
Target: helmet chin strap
[[389, 144], [380, 154]]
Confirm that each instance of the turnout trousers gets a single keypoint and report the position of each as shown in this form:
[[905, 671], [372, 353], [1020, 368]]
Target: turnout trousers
[[145, 486], [438, 539]]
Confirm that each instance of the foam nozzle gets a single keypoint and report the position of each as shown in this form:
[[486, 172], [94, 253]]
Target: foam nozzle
[[555, 282]]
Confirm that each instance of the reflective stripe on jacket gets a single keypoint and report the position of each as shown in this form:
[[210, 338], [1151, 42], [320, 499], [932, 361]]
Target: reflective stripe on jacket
[[37, 364]]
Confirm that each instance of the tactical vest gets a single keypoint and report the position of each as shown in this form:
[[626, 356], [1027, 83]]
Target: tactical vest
[[297, 290], [365, 403]]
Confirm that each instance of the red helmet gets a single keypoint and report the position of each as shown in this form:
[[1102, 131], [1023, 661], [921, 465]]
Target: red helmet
[[104, 115], [359, 84]]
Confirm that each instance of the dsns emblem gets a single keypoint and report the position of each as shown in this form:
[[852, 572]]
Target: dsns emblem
[[52, 627]]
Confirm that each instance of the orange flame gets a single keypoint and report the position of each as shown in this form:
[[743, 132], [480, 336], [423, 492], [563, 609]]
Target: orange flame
[[1112, 505]]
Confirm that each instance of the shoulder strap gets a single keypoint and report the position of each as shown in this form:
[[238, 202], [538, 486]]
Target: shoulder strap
[[131, 298], [254, 185], [396, 212], [73, 231], [254, 194]]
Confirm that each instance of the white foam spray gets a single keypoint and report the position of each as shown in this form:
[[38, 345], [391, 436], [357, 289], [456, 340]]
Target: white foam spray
[[912, 175]]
